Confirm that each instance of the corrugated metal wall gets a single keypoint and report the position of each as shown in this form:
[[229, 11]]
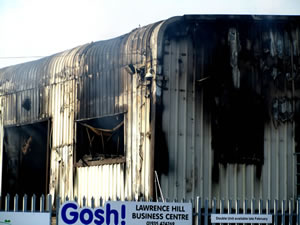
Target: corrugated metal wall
[[51, 92], [115, 91], [89, 81], [187, 118], [186, 124]]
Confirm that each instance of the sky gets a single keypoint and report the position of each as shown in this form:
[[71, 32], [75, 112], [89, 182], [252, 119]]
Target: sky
[[31, 29]]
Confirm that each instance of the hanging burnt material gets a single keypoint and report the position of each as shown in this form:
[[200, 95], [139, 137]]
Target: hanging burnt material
[[234, 43], [99, 139], [282, 110]]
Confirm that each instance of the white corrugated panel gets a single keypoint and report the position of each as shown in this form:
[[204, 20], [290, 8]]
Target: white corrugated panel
[[104, 181]]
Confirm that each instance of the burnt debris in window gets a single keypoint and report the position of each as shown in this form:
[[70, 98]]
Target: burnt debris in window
[[100, 139], [25, 159]]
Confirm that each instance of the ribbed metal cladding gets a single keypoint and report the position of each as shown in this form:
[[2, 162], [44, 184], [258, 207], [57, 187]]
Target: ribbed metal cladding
[[105, 181], [91, 81], [187, 126], [187, 121], [88, 81], [108, 89]]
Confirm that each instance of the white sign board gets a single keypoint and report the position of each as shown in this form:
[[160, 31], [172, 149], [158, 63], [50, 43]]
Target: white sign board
[[241, 218], [24, 218], [130, 213]]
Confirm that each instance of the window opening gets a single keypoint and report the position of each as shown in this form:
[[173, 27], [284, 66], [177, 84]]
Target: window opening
[[100, 139], [26, 160]]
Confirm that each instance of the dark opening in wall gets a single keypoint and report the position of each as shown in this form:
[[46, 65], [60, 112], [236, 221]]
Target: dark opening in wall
[[26, 160], [237, 98], [238, 128], [100, 140]]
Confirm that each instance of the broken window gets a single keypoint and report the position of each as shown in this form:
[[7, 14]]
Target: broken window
[[100, 140], [26, 159]]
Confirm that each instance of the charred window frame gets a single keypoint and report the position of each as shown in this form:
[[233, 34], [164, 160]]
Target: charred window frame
[[100, 141]]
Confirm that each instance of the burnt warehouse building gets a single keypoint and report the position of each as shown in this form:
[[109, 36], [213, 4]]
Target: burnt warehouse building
[[208, 103]]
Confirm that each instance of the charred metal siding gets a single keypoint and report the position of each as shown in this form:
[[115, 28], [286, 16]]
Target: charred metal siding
[[88, 81], [187, 115], [108, 89], [170, 120], [49, 88]]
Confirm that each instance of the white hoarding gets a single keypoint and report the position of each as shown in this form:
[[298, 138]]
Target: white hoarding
[[241, 218], [130, 213], [24, 218]]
